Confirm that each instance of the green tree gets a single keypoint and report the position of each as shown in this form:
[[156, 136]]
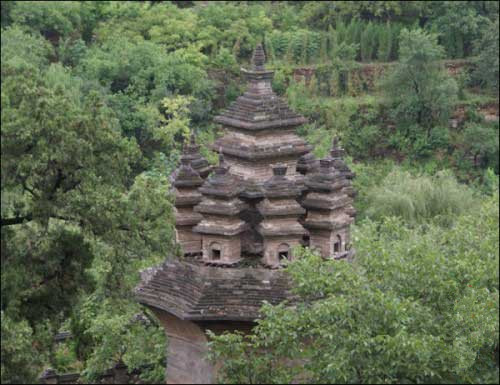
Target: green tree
[[384, 43], [458, 24], [417, 305], [367, 42], [479, 142], [421, 92], [20, 359], [487, 51], [76, 221], [53, 19]]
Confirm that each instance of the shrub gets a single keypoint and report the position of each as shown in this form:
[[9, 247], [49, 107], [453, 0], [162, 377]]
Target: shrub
[[419, 199]]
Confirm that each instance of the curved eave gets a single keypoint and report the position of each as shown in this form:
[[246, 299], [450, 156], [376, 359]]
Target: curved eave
[[252, 126]]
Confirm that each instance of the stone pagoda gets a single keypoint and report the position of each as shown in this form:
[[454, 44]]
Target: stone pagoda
[[280, 227], [186, 184], [238, 224], [221, 226]]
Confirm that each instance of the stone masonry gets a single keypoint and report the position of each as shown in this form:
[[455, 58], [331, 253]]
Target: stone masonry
[[238, 224]]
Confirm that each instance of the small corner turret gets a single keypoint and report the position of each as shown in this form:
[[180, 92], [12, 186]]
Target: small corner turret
[[329, 206], [221, 227]]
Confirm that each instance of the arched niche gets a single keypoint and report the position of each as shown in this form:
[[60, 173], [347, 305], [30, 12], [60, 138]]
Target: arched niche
[[337, 244], [284, 253], [215, 251]]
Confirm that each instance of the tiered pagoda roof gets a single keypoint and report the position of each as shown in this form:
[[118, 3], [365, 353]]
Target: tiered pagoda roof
[[280, 208], [186, 185], [325, 195], [191, 152], [220, 204], [259, 130], [307, 163], [259, 107]]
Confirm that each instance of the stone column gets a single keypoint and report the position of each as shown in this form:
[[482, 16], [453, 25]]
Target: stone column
[[186, 351]]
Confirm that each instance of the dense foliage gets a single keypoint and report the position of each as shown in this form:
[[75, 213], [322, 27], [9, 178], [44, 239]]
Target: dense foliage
[[97, 99], [418, 305]]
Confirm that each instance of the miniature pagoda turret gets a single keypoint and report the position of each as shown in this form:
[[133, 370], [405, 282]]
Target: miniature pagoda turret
[[307, 163], [191, 152], [221, 226], [280, 228], [336, 155], [329, 207], [186, 184], [198, 162]]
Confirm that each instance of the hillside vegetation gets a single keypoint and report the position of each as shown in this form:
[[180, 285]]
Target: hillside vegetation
[[97, 99]]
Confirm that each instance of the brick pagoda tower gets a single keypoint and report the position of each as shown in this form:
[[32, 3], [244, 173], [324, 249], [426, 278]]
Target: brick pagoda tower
[[221, 227], [238, 224], [280, 228], [186, 184]]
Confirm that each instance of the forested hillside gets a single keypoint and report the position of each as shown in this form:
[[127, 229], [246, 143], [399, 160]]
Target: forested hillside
[[97, 99]]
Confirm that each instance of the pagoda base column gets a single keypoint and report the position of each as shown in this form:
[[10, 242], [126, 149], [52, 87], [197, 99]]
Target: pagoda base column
[[186, 352]]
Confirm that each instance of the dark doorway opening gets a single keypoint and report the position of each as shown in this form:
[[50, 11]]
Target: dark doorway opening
[[283, 255], [215, 254]]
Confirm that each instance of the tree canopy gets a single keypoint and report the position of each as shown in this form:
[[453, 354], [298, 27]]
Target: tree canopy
[[97, 100]]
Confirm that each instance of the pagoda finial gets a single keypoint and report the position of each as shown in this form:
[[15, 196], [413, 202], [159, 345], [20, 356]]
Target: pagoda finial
[[192, 141], [222, 161], [258, 58], [185, 146], [336, 151], [222, 168], [335, 142]]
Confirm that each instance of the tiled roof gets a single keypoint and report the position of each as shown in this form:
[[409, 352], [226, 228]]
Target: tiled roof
[[192, 291]]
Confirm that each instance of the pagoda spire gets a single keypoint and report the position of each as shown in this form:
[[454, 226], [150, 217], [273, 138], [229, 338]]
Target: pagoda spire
[[259, 108], [258, 58], [191, 151], [337, 155]]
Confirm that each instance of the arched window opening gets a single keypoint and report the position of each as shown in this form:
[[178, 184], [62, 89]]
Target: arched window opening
[[215, 251], [337, 245], [283, 252]]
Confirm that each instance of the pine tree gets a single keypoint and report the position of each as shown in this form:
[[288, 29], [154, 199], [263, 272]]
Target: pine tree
[[332, 41], [289, 55], [305, 43], [323, 50], [341, 32], [269, 49], [384, 43], [366, 44]]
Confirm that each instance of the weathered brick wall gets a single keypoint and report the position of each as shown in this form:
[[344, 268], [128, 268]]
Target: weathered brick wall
[[272, 245], [190, 241], [186, 351], [230, 247]]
